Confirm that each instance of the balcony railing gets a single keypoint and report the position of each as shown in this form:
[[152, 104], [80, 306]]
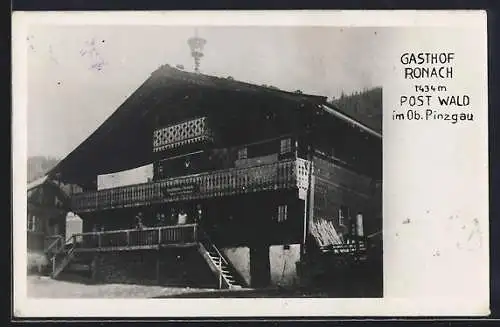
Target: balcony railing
[[191, 131], [130, 239], [280, 175]]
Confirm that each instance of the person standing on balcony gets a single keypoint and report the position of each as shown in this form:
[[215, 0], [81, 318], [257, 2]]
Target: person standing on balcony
[[159, 222], [182, 218], [173, 217], [197, 216], [138, 221], [161, 219]]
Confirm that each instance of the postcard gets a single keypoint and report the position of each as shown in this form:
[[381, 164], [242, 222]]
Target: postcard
[[250, 164]]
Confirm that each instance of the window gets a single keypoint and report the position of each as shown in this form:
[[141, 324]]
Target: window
[[32, 223], [348, 221], [242, 153], [286, 146], [160, 170], [282, 213], [343, 216]]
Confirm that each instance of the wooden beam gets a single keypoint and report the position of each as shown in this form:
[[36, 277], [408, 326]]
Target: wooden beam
[[158, 276]]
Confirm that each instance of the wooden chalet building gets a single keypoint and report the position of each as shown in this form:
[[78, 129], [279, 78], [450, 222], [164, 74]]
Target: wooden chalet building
[[252, 186], [47, 207]]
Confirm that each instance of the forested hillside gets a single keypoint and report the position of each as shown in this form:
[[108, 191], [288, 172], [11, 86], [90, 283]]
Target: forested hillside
[[364, 106]]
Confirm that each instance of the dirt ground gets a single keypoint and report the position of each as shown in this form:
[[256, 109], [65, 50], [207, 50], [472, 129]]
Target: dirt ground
[[45, 287]]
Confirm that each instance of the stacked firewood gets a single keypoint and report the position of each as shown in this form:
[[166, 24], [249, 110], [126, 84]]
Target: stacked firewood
[[325, 233]]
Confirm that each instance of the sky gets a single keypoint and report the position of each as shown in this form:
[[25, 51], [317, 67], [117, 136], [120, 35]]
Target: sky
[[79, 75]]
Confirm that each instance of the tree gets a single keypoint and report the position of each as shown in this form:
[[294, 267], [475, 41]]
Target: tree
[[364, 106]]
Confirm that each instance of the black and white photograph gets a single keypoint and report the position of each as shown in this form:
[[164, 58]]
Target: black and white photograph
[[204, 161], [316, 163]]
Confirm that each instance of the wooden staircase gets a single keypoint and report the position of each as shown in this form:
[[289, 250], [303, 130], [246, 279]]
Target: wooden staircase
[[220, 266], [65, 259], [60, 254]]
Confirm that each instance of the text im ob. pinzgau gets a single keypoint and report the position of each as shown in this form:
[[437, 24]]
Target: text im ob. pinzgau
[[426, 100]]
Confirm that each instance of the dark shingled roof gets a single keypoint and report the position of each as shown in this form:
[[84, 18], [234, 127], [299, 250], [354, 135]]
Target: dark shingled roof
[[118, 143]]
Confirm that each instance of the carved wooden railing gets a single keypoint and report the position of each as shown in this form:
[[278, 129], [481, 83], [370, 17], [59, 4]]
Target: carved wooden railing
[[279, 175], [136, 239], [191, 131]]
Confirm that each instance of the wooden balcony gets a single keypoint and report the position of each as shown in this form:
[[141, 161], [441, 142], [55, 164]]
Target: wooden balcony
[[188, 132], [287, 174], [134, 239]]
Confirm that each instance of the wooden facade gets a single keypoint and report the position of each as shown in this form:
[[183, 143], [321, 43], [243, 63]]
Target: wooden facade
[[251, 167], [46, 216]]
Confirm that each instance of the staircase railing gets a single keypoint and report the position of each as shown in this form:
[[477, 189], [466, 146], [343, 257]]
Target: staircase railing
[[56, 244], [56, 269], [207, 242], [205, 239]]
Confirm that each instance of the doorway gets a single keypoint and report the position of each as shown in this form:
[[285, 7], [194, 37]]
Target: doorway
[[260, 267]]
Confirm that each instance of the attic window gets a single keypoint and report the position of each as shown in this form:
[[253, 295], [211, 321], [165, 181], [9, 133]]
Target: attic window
[[243, 153], [286, 146]]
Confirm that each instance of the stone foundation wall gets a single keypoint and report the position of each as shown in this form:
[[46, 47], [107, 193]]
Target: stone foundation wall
[[186, 267], [130, 267], [172, 267]]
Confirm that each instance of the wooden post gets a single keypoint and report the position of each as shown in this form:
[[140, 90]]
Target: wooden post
[[309, 201], [128, 238], [94, 266], [310, 193], [304, 236], [159, 236], [158, 280], [99, 240]]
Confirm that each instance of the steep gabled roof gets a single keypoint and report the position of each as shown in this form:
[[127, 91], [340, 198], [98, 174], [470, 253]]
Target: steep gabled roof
[[118, 143], [46, 182]]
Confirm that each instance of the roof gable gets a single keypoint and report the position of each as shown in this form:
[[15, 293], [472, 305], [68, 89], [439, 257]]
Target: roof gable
[[118, 143]]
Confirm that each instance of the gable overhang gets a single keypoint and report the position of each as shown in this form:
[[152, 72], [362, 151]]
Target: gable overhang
[[349, 120]]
